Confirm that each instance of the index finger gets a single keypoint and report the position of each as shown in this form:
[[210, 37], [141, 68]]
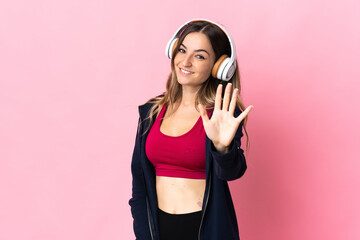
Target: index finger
[[244, 113]]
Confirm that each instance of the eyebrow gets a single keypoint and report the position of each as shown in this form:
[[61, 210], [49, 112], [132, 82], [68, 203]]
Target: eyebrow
[[198, 50]]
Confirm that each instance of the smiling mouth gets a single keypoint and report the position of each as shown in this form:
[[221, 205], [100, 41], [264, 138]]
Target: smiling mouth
[[184, 71]]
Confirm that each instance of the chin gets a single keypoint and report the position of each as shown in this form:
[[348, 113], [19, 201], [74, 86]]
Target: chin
[[181, 82]]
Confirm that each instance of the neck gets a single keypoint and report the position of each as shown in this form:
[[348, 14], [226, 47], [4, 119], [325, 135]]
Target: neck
[[188, 95]]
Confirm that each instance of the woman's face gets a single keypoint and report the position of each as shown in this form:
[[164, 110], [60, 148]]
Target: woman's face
[[195, 59]]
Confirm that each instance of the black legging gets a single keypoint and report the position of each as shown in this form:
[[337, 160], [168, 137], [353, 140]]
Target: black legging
[[179, 226]]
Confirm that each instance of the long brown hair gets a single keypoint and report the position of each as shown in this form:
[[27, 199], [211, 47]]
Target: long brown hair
[[207, 92]]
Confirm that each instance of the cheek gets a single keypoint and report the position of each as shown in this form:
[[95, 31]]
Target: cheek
[[178, 58], [175, 61], [207, 68]]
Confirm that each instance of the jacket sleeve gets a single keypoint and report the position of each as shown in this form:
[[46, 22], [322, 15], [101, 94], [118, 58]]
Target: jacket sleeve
[[138, 200], [231, 165]]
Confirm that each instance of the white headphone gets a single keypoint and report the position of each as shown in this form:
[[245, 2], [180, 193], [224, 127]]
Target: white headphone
[[224, 67]]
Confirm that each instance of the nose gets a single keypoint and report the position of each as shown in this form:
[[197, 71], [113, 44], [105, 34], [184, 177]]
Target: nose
[[187, 60]]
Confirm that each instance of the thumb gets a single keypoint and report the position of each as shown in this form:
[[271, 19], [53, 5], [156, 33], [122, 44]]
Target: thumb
[[203, 113]]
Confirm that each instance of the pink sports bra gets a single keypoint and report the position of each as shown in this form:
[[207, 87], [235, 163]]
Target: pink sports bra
[[180, 156]]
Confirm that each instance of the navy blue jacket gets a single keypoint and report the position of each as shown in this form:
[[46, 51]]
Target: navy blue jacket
[[219, 218]]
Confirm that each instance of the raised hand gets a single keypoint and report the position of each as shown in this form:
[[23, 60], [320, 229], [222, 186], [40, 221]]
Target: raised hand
[[222, 126]]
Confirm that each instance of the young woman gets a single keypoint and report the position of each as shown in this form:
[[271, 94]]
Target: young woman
[[188, 142]]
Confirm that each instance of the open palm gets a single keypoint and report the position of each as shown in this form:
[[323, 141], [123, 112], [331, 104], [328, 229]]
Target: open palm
[[222, 126]]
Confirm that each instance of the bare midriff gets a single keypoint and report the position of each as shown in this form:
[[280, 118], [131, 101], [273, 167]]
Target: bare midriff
[[180, 195]]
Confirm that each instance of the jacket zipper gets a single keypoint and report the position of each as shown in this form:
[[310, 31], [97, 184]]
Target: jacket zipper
[[149, 218], [206, 202]]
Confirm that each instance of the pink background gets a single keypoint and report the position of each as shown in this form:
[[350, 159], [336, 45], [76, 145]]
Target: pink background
[[72, 74]]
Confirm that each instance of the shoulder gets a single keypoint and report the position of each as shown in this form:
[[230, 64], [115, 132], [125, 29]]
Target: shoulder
[[151, 100], [144, 109]]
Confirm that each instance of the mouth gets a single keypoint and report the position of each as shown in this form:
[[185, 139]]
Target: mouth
[[185, 71]]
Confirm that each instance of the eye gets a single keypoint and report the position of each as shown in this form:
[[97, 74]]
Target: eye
[[200, 57], [181, 50]]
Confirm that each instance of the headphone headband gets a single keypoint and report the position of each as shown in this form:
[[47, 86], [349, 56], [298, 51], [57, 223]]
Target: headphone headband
[[226, 68]]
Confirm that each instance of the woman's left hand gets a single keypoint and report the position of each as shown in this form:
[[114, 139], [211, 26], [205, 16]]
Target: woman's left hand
[[222, 126]]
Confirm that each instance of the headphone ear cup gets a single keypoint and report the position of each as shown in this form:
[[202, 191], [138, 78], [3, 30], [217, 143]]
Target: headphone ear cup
[[219, 64], [229, 70], [171, 47], [174, 46], [224, 69]]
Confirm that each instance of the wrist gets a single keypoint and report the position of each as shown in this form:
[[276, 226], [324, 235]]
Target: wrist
[[221, 148]]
